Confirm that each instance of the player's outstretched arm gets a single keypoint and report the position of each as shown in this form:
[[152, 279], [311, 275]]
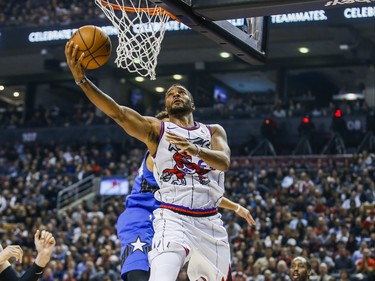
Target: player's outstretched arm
[[127, 118], [240, 210]]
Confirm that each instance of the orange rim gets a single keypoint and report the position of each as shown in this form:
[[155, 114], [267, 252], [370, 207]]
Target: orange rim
[[151, 11]]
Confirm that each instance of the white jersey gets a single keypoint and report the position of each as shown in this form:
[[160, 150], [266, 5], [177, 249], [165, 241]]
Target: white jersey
[[186, 180], [187, 219]]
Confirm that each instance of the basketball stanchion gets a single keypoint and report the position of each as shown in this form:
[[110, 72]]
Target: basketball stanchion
[[141, 27]]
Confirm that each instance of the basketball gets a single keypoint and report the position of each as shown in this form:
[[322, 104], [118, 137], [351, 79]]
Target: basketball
[[96, 45]]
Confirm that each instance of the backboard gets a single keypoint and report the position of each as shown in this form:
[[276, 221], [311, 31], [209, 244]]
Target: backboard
[[245, 37], [247, 40]]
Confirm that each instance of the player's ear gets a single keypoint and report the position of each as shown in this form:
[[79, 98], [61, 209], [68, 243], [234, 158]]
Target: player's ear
[[193, 106]]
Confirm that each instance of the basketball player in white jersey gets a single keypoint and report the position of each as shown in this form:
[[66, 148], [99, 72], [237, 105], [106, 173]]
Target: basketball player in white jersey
[[189, 163]]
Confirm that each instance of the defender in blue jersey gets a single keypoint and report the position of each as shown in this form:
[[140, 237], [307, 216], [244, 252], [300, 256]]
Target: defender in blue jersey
[[134, 225]]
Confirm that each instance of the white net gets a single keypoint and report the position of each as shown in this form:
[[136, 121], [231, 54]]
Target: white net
[[141, 28]]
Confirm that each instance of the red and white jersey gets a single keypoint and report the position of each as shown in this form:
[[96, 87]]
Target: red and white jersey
[[186, 180]]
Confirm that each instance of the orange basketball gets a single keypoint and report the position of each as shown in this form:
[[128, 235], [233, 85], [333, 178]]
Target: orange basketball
[[96, 45]]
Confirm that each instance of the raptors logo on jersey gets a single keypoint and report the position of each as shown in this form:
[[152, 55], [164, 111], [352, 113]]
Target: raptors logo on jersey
[[184, 165]]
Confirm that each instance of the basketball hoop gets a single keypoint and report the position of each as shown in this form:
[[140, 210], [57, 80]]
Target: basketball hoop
[[141, 27]]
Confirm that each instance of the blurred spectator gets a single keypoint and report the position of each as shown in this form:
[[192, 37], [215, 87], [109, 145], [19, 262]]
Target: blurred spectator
[[358, 254], [366, 266], [264, 261], [343, 276], [323, 273], [268, 275], [343, 261], [281, 272], [255, 274], [326, 259], [279, 112]]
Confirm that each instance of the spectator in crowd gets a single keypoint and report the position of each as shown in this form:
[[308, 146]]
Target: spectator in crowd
[[255, 274], [263, 262], [343, 261], [343, 276], [281, 272], [358, 254], [279, 111], [268, 275], [323, 273], [326, 259], [294, 249], [366, 265]]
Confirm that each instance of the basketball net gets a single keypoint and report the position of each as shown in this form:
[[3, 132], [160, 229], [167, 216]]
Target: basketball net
[[141, 27]]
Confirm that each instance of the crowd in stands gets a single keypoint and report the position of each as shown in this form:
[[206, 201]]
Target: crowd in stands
[[12, 117], [85, 113], [319, 207], [46, 12], [266, 105]]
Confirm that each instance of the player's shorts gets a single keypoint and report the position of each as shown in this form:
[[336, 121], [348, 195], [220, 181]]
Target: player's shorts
[[204, 238], [134, 229]]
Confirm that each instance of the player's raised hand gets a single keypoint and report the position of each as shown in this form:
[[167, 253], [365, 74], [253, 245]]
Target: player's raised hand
[[245, 213], [9, 252], [74, 62], [44, 244], [182, 144]]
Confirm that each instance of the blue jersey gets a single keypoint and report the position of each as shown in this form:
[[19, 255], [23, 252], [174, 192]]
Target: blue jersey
[[134, 225]]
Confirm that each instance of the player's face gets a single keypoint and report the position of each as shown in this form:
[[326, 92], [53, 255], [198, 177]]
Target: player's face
[[299, 270], [178, 101]]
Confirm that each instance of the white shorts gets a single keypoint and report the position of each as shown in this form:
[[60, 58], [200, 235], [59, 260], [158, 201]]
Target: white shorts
[[205, 238]]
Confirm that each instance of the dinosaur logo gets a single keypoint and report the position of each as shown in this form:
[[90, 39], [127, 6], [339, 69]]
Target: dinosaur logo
[[184, 166]]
